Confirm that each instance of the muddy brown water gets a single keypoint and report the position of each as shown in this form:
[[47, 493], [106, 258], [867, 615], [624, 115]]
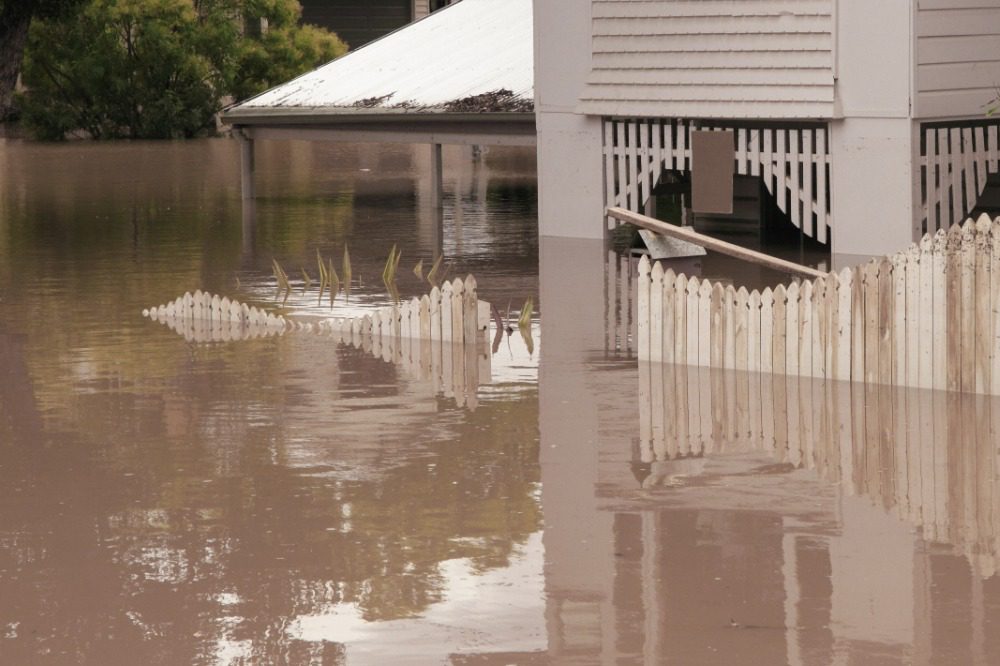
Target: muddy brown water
[[288, 500]]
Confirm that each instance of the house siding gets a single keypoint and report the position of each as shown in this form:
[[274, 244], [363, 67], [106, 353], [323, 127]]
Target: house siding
[[957, 57], [711, 59]]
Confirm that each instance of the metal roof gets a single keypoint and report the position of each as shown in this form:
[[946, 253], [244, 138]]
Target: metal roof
[[473, 47]]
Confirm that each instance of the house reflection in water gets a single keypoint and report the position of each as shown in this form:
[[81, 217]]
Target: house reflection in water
[[756, 519]]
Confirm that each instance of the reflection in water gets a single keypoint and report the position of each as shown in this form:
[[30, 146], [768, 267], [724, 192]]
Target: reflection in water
[[928, 457], [172, 503], [719, 519]]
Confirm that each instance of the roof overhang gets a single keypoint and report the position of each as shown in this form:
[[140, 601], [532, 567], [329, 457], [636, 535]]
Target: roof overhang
[[379, 126]]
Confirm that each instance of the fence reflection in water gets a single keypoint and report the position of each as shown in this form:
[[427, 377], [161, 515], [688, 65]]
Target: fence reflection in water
[[928, 456]]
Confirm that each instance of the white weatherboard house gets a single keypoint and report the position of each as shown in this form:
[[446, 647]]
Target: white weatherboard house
[[867, 120]]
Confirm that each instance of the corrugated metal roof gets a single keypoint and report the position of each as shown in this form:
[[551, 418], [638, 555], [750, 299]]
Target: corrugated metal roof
[[469, 48]]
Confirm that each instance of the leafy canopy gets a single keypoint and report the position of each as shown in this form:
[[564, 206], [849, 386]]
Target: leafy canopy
[[160, 69]]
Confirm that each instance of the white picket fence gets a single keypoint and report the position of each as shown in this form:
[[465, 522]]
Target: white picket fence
[[929, 456], [438, 337], [926, 317], [792, 161]]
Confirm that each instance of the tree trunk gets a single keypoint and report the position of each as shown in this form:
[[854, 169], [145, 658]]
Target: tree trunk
[[15, 19]]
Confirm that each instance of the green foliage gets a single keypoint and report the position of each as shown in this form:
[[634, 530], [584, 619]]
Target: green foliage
[[159, 69]]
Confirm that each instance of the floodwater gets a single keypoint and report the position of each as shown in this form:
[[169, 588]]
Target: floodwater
[[287, 499]]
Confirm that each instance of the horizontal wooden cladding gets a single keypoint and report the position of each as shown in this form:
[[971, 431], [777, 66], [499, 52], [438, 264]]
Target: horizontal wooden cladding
[[713, 25], [731, 93], [958, 57], [728, 109], [946, 103], [940, 50], [821, 58], [952, 76], [958, 22], [693, 8], [711, 76], [717, 42]]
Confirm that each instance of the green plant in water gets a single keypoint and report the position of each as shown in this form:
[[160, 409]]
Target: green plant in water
[[324, 278], [282, 278], [418, 270], [346, 270], [432, 274], [334, 281], [525, 319], [306, 281], [524, 324], [389, 272]]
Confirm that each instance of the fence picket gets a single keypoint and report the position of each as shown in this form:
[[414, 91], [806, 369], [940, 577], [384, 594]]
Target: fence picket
[[983, 314], [648, 316], [691, 342], [652, 291], [669, 316], [793, 333]]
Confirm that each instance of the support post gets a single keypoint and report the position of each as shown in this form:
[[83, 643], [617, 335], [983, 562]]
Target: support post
[[246, 165], [437, 175]]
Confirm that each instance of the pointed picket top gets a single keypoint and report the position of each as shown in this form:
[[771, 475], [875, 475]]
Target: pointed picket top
[[470, 283], [197, 296], [742, 295], [807, 288], [457, 287], [779, 294], [681, 283], [754, 300], [983, 224], [446, 289], [644, 268], [435, 297], [729, 291], [792, 291], [657, 272], [705, 289], [669, 276], [845, 276], [188, 300], [224, 306], [767, 296], [968, 229], [885, 267], [954, 235], [692, 285]]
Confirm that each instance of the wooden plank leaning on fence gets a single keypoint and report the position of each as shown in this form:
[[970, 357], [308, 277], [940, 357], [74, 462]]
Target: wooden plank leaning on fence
[[926, 317]]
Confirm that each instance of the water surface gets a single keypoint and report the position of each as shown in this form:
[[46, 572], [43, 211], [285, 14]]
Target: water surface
[[289, 500]]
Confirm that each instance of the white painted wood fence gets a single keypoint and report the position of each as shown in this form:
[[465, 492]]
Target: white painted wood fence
[[929, 456], [956, 161], [792, 161], [438, 337], [926, 317]]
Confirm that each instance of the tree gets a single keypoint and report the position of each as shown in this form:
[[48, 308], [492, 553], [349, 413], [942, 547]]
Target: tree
[[159, 69], [15, 20]]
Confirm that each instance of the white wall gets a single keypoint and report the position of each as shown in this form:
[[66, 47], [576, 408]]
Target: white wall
[[570, 163]]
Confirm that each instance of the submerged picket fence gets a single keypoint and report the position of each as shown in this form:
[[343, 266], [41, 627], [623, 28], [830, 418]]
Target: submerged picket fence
[[437, 338], [452, 313], [926, 317], [929, 456]]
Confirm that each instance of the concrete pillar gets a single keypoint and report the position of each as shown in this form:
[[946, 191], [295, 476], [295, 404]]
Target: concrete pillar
[[570, 156], [875, 188], [874, 168]]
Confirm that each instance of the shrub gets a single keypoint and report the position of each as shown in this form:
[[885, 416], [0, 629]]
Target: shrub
[[158, 69]]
